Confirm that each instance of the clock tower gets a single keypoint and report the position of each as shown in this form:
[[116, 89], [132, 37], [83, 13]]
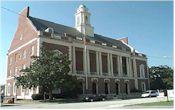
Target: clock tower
[[82, 21]]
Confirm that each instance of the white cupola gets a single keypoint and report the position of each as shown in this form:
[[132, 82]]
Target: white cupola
[[82, 21]]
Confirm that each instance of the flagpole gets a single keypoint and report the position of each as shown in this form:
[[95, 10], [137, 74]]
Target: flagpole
[[85, 61]]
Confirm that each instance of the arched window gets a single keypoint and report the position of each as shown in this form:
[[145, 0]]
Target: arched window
[[78, 20], [81, 88], [106, 88], [86, 18], [126, 88], [143, 86]]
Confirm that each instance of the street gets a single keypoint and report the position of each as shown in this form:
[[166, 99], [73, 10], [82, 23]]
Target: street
[[116, 103]]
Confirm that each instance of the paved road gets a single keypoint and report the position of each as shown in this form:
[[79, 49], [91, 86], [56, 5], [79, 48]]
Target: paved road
[[90, 105]]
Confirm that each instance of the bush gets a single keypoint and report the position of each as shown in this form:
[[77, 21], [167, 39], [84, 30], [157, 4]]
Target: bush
[[134, 90], [10, 101], [39, 96]]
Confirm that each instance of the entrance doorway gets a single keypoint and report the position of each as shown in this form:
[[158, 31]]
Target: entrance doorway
[[106, 88], [94, 88], [126, 88], [117, 88]]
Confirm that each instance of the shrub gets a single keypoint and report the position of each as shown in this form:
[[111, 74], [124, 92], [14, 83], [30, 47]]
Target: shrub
[[10, 101], [134, 90], [39, 96]]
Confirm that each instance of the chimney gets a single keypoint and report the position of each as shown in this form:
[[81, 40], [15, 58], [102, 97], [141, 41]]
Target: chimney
[[124, 40], [25, 12]]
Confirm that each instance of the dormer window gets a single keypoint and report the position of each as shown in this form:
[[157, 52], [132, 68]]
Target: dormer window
[[49, 30], [79, 38], [114, 46], [104, 44], [92, 41]]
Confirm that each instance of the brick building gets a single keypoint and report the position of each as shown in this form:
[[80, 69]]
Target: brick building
[[102, 64]]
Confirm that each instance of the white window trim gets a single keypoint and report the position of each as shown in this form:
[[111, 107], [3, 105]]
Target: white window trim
[[14, 89], [21, 37], [142, 71], [24, 54], [10, 62], [16, 70], [33, 50]]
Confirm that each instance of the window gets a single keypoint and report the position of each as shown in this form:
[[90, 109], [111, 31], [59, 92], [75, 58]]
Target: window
[[10, 73], [10, 62], [106, 88], [14, 89], [33, 50], [78, 20], [115, 65], [126, 88], [16, 70], [117, 88], [81, 86], [92, 61], [142, 71], [94, 88], [23, 66], [143, 86], [17, 57], [79, 60], [104, 63], [9, 89], [21, 37], [124, 66], [24, 54], [86, 18]]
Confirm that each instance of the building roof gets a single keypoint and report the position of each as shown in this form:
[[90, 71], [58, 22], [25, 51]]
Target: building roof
[[42, 25]]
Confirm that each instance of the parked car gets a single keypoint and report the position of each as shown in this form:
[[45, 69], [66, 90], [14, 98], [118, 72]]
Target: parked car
[[94, 98], [150, 93]]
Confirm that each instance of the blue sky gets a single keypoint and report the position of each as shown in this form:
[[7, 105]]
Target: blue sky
[[148, 25]]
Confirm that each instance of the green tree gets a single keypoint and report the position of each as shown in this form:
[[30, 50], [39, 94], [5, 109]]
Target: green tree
[[161, 77], [49, 71]]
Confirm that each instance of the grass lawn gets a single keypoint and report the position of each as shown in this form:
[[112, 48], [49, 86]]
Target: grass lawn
[[61, 101], [161, 104]]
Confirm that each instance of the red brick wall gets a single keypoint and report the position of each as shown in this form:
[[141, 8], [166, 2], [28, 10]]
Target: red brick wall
[[24, 33], [25, 29], [19, 62]]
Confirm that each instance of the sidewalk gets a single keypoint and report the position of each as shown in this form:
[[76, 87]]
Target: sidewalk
[[90, 105]]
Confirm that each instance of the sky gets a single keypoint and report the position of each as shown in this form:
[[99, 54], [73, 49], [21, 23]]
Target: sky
[[148, 25]]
